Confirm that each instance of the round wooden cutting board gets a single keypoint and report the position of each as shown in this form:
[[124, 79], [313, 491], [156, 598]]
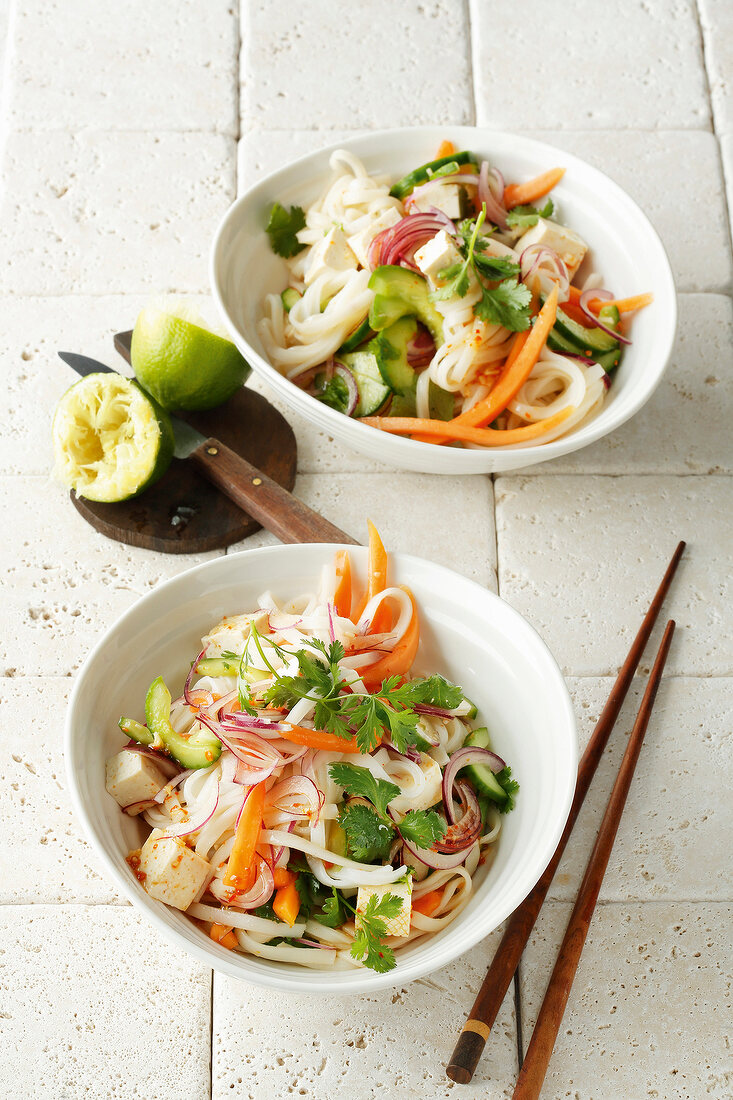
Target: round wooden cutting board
[[183, 513]]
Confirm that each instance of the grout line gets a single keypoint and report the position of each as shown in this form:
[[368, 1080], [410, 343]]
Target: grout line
[[716, 134], [471, 60], [211, 1038]]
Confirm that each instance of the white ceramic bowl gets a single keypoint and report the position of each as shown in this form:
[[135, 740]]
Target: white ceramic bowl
[[625, 249], [468, 634]]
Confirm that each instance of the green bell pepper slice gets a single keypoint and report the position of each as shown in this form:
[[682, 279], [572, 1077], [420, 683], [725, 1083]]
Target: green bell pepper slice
[[197, 751], [136, 731]]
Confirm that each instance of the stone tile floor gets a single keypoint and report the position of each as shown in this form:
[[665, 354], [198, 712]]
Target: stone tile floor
[[126, 131]]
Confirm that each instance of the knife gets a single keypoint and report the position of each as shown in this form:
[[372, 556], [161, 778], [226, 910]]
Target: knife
[[250, 489]]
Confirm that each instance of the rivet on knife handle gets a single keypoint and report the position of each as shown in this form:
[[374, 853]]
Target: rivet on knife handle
[[266, 501]]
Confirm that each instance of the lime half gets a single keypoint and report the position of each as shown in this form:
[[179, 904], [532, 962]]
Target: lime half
[[110, 439], [181, 363]]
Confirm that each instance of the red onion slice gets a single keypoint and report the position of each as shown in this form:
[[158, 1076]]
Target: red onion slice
[[261, 891], [297, 795], [189, 679], [169, 767], [606, 295], [257, 770], [437, 860], [495, 210], [134, 808], [399, 243], [421, 349], [239, 720], [171, 785], [199, 819], [465, 832], [345, 374], [469, 754], [313, 943]]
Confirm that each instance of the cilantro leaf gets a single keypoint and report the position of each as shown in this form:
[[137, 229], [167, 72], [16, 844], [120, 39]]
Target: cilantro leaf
[[333, 914], [524, 217], [282, 227], [368, 837], [332, 392], [360, 781], [434, 690], [506, 304], [495, 267], [510, 786], [422, 827], [367, 946]]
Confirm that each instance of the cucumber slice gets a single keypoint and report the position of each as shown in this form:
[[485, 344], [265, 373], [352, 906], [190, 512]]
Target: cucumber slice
[[480, 775], [390, 349], [359, 336], [402, 293], [473, 711], [404, 186], [591, 339], [289, 297], [372, 390], [440, 404]]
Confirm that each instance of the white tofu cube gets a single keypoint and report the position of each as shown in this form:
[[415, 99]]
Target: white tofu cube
[[437, 254], [569, 246], [132, 779], [444, 196], [359, 242], [332, 253], [231, 634], [170, 871], [394, 926]]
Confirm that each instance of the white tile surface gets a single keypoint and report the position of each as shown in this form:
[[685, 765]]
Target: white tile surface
[[394, 1043], [446, 519], [685, 427], [643, 70], [65, 583], [98, 213], [716, 19], [649, 1013], [94, 1006], [262, 152], [679, 806], [388, 65], [57, 863], [132, 66], [647, 165], [582, 556]]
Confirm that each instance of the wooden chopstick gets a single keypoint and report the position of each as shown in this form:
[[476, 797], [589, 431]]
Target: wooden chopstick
[[472, 1040], [539, 1052]]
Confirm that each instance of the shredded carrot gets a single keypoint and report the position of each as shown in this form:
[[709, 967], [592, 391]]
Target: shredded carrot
[[283, 877], [376, 583], [241, 869], [223, 934], [400, 660], [515, 194], [485, 437], [428, 903], [623, 305], [445, 149], [287, 903], [342, 595], [320, 739]]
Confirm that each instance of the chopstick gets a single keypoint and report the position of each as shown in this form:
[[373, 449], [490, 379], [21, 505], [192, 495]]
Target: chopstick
[[539, 1052], [472, 1040]]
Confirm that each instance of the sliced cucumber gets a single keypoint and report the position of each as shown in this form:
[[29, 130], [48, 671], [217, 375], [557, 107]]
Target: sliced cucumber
[[359, 336], [440, 403], [289, 297], [372, 390], [422, 174], [480, 775], [474, 709], [390, 349]]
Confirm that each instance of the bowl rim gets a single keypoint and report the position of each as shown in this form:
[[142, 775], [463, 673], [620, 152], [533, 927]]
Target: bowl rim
[[363, 980], [607, 420]]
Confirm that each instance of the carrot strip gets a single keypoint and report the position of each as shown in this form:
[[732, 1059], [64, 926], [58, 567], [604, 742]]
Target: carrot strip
[[342, 595], [515, 194], [287, 903], [445, 149], [376, 583], [222, 933], [428, 903], [486, 437], [320, 739], [241, 870], [623, 305], [400, 660], [283, 877]]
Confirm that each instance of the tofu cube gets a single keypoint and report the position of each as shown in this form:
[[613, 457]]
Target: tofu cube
[[359, 242], [133, 779], [569, 246], [437, 254], [395, 926], [170, 871], [231, 634], [332, 253], [447, 197]]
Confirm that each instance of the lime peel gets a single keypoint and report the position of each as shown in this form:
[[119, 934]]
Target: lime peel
[[111, 439]]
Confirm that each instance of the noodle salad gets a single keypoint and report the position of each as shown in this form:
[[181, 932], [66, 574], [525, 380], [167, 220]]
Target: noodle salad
[[308, 797], [443, 307]]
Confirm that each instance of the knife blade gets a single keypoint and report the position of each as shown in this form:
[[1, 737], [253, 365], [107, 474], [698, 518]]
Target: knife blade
[[186, 438], [251, 489]]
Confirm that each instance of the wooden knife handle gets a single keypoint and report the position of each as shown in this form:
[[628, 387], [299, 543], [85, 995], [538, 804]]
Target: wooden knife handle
[[262, 498]]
